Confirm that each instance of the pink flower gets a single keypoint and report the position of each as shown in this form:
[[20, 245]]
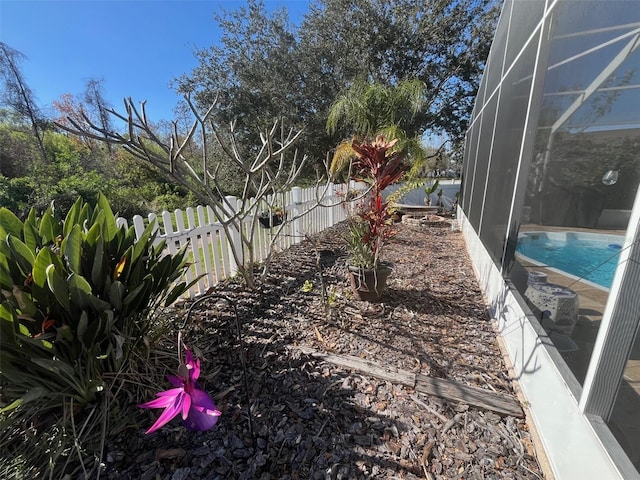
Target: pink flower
[[197, 409]]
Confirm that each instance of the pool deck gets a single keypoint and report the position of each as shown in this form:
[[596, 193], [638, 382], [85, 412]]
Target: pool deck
[[592, 305]]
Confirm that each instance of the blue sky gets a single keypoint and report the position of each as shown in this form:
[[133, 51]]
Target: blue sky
[[136, 47]]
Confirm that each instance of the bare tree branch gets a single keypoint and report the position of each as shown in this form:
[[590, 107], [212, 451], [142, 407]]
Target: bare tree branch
[[266, 174]]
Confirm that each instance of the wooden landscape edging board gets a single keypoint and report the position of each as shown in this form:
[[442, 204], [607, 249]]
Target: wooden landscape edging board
[[478, 397], [447, 389]]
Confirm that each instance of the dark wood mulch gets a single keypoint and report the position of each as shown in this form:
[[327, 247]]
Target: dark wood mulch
[[312, 419]]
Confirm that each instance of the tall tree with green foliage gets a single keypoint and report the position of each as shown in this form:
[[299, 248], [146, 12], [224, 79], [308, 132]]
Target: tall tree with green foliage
[[246, 73], [442, 43], [267, 68]]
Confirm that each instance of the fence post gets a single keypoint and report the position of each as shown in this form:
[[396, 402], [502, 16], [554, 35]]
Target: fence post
[[330, 195], [233, 241], [122, 222], [296, 225]]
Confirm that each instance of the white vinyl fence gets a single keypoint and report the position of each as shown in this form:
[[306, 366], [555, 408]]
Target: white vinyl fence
[[208, 245]]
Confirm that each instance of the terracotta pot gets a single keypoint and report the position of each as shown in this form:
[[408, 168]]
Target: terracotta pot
[[368, 284]]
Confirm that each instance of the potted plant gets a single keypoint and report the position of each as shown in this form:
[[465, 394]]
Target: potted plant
[[429, 190], [272, 217], [378, 165]]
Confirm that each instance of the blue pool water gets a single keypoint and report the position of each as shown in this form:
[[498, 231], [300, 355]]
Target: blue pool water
[[587, 256]]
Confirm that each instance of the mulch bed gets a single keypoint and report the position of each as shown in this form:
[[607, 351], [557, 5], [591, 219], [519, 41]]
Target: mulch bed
[[314, 419]]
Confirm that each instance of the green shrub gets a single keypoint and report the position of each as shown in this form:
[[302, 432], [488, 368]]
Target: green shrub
[[78, 298], [15, 193]]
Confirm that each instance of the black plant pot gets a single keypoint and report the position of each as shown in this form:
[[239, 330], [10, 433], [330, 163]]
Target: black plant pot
[[271, 220]]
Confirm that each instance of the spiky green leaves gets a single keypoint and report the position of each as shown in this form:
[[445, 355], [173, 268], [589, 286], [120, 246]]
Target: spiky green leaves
[[77, 298]]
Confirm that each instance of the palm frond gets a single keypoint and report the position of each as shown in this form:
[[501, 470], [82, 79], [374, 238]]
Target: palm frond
[[413, 95], [341, 158], [371, 109]]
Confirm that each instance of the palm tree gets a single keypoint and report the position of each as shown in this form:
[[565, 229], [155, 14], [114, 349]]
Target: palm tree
[[371, 109]]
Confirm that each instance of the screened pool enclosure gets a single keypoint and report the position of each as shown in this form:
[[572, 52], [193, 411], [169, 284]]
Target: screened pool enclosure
[[550, 211]]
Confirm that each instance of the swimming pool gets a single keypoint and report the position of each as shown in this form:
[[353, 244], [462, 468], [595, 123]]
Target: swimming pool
[[575, 253]]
